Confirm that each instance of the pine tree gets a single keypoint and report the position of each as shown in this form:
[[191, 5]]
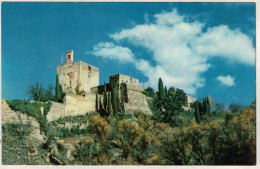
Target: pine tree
[[96, 103], [161, 89], [105, 96], [197, 113]]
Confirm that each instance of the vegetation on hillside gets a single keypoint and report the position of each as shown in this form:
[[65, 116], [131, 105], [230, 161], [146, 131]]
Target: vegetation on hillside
[[39, 93], [171, 136]]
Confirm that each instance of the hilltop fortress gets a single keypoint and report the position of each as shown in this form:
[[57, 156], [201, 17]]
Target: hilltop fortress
[[80, 83]]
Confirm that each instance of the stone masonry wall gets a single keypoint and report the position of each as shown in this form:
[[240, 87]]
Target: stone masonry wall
[[77, 74], [78, 105], [136, 100]]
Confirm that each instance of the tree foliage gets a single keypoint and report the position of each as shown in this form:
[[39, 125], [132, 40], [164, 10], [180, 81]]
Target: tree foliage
[[59, 95], [149, 92], [166, 107], [161, 90], [38, 93]]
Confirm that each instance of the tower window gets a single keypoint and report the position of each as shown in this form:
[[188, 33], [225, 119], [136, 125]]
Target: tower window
[[68, 56]]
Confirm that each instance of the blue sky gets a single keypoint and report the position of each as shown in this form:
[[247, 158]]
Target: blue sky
[[203, 48]]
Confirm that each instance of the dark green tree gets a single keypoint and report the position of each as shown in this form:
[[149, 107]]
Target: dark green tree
[[109, 108], [97, 103], [34, 91], [161, 90], [197, 112], [114, 99], [100, 105], [38, 93], [200, 109], [171, 92], [149, 92], [165, 91], [59, 95], [204, 105], [235, 108], [123, 108], [208, 107], [105, 96]]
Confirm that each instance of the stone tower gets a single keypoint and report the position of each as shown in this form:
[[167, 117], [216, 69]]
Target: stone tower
[[69, 57], [78, 75]]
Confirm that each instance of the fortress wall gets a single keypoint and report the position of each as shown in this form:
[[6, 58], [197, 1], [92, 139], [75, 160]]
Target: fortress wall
[[190, 100], [68, 76], [136, 100], [77, 105], [57, 110], [89, 77], [119, 78]]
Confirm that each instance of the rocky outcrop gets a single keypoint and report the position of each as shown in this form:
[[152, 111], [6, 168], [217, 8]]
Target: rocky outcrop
[[10, 116]]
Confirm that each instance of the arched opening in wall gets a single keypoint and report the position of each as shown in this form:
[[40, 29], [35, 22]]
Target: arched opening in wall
[[68, 56]]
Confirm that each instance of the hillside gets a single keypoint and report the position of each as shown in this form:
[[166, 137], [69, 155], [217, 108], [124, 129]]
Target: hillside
[[131, 139]]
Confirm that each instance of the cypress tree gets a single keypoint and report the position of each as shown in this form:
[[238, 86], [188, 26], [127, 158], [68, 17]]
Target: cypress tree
[[205, 107], [208, 108], [60, 94], [96, 102], [105, 96], [165, 91], [57, 94], [123, 108], [100, 104], [161, 90], [200, 110], [109, 109], [197, 113], [114, 100]]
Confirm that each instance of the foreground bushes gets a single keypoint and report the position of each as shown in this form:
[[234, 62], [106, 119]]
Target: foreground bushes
[[141, 140], [16, 150], [230, 141]]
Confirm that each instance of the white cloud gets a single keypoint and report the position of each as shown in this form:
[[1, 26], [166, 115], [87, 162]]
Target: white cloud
[[226, 80], [181, 50], [220, 41], [112, 51]]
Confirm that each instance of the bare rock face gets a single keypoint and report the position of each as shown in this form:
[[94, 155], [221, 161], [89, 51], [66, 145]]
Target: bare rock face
[[10, 116]]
